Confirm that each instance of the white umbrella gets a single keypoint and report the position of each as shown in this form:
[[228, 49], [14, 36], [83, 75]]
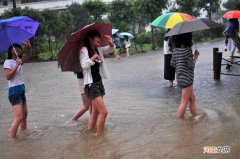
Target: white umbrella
[[114, 31], [130, 36]]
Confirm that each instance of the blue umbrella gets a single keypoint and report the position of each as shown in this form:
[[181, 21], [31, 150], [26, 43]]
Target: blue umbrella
[[130, 36], [114, 31], [16, 30]]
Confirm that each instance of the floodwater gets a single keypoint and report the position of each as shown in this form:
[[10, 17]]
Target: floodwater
[[141, 123]]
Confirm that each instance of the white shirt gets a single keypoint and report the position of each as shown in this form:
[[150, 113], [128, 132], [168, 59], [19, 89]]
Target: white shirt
[[165, 47], [86, 63], [127, 43], [17, 79]]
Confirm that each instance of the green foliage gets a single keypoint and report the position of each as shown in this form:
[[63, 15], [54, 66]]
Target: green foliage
[[211, 6], [45, 53], [160, 33], [96, 8], [188, 7], [122, 14], [232, 5], [150, 9], [143, 38], [80, 15]]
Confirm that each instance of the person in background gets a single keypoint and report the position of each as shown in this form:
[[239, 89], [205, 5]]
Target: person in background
[[184, 62], [231, 31], [127, 45], [118, 46], [94, 69], [169, 71], [16, 92], [86, 103]]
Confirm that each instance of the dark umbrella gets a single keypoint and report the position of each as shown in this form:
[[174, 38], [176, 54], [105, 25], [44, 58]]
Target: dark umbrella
[[68, 55], [193, 25]]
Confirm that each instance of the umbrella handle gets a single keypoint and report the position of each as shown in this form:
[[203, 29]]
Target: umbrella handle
[[15, 51]]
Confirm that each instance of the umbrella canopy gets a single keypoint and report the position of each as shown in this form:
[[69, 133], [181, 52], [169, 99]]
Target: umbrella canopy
[[193, 25], [68, 55], [114, 31], [130, 36], [169, 20], [16, 30], [232, 14]]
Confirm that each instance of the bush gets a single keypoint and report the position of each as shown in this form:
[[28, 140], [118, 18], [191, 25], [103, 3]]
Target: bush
[[143, 38], [160, 33]]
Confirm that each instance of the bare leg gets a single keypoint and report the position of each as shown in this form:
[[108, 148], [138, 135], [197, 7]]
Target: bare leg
[[127, 51], [84, 108], [93, 118], [23, 124], [192, 106], [186, 93], [117, 55], [170, 83], [99, 105], [18, 117]]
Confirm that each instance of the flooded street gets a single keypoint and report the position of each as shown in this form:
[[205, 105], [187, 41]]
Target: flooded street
[[141, 122]]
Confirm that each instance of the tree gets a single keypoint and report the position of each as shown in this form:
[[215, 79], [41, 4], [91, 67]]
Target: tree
[[210, 6], [150, 9], [96, 8], [80, 15], [188, 7], [232, 5], [121, 14]]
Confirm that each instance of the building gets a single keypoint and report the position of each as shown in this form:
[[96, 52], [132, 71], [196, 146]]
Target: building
[[37, 4]]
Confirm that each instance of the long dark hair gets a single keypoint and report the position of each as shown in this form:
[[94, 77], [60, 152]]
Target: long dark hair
[[126, 37], [91, 34], [181, 40], [10, 50]]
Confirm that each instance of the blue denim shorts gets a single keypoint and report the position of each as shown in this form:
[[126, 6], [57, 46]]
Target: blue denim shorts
[[17, 99]]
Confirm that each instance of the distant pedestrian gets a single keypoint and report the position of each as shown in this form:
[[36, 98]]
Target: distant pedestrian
[[169, 70], [94, 69], [231, 31], [184, 62], [86, 103], [117, 43], [16, 93], [127, 45]]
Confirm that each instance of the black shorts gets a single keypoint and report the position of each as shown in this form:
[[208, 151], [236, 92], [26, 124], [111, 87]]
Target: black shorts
[[169, 70], [94, 90]]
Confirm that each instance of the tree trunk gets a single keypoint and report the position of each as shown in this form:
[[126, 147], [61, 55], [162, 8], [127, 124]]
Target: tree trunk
[[14, 4], [153, 39]]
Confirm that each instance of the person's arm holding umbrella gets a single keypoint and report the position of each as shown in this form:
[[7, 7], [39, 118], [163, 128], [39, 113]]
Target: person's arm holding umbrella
[[28, 46], [110, 47], [195, 57]]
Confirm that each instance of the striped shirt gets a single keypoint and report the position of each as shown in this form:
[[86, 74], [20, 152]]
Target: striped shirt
[[15, 84], [182, 60]]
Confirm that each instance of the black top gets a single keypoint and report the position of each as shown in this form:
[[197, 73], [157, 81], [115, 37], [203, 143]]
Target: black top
[[79, 75], [94, 68]]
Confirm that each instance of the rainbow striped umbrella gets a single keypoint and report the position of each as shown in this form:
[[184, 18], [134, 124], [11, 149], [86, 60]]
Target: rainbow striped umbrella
[[169, 20]]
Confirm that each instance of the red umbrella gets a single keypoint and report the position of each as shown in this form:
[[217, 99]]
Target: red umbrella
[[232, 14], [68, 55]]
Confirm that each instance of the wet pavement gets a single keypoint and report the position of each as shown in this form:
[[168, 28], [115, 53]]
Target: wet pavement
[[142, 119]]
